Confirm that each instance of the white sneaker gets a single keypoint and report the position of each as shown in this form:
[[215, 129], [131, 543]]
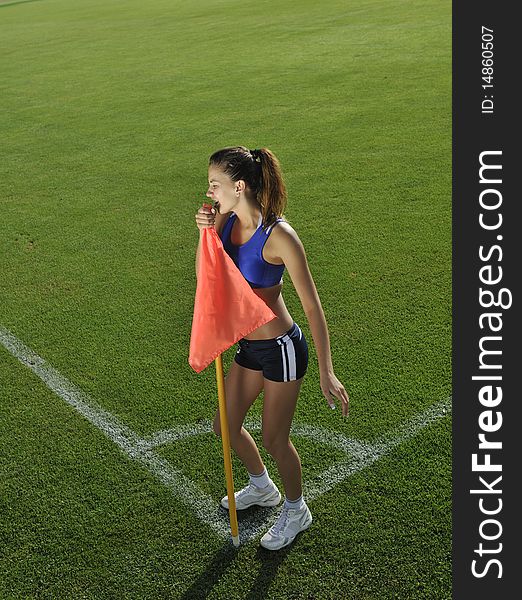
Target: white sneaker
[[251, 495], [289, 523]]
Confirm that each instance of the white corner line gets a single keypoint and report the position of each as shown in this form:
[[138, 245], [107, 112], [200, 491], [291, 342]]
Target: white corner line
[[358, 455], [184, 489]]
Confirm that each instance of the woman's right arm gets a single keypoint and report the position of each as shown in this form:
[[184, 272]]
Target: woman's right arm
[[206, 218]]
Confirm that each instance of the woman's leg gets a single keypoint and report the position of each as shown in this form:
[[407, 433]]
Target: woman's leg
[[280, 399], [242, 387]]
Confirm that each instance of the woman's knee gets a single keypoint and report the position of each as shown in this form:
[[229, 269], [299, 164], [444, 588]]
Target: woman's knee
[[233, 432], [275, 446]]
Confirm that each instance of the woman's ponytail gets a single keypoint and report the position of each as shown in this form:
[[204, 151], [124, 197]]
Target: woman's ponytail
[[271, 194]]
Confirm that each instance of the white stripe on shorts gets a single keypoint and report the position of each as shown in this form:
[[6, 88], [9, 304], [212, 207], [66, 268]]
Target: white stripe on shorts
[[283, 360], [287, 345]]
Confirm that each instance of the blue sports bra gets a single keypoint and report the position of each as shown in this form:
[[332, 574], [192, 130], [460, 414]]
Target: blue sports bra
[[248, 257]]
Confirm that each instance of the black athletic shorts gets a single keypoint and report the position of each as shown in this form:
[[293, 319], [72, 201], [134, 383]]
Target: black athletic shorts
[[284, 358]]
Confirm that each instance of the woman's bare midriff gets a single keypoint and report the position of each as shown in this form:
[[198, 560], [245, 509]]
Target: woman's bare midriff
[[281, 324]]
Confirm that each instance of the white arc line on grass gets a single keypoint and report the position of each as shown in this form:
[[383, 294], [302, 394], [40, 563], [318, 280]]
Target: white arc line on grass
[[358, 455], [362, 454]]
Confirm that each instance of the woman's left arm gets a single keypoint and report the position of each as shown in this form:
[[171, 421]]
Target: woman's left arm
[[292, 253]]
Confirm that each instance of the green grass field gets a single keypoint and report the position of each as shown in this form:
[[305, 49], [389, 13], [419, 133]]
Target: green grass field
[[109, 113]]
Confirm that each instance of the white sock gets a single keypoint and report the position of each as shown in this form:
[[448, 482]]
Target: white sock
[[294, 503], [261, 480]]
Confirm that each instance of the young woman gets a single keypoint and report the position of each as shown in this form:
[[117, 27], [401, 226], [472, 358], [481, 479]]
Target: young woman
[[249, 200]]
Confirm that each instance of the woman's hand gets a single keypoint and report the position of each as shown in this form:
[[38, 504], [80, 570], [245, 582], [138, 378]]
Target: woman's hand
[[205, 217], [331, 386]]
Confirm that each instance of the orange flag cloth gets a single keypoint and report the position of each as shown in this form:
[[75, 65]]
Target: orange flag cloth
[[225, 308]]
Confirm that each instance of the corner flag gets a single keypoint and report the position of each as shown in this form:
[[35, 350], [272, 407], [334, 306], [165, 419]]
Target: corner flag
[[225, 310]]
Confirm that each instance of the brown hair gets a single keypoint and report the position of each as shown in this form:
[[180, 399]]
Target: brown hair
[[261, 172]]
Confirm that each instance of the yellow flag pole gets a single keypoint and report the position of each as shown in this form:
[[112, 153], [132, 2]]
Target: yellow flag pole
[[225, 437]]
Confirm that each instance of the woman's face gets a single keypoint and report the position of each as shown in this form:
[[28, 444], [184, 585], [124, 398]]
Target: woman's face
[[222, 190]]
